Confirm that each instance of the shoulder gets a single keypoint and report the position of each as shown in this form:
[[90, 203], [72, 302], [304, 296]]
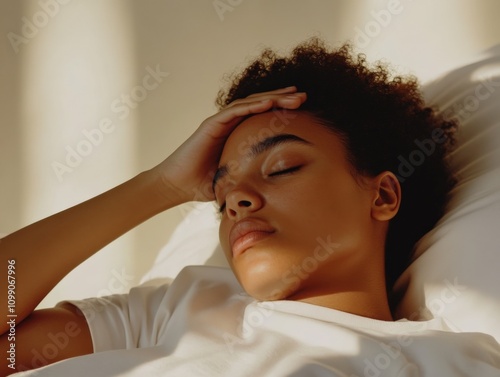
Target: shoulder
[[147, 307]]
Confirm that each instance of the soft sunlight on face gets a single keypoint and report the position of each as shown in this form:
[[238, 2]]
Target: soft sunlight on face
[[295, 222]]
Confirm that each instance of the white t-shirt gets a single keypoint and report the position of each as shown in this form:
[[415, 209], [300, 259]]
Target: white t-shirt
[[205, 325]]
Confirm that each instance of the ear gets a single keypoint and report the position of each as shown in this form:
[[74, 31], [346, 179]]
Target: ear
[[387, 197]]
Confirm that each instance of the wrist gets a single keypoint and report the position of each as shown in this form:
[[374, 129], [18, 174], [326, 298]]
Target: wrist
[[161, 190]]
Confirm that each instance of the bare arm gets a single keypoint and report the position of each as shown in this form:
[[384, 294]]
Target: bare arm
[[44, 337], [47, 250]]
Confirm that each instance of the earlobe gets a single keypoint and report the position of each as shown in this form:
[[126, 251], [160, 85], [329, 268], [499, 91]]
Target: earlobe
[[387, 196]]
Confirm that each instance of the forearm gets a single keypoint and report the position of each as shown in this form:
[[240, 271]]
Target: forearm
[[47, 250]]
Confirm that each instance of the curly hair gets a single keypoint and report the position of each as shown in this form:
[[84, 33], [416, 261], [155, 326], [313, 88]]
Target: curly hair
[[383, 122]]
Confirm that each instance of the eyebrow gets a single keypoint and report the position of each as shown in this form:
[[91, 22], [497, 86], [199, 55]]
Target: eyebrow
[[259, 148]]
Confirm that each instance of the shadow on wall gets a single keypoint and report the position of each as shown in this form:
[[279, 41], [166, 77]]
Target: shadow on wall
[[11, 146]]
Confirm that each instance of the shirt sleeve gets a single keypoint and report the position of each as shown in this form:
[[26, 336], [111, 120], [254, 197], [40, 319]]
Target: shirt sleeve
[[124, 321]]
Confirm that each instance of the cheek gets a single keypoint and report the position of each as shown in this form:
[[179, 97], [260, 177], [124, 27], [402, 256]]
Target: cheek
[[224, 229], [321, 208], [312, 199]]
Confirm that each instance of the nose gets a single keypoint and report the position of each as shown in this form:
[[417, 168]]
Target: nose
[[240, 202]]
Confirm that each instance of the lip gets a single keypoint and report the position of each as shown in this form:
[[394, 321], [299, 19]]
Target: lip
[[246, 233]]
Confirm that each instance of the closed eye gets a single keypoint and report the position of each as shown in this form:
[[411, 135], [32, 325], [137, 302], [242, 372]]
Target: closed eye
[[284, 171]]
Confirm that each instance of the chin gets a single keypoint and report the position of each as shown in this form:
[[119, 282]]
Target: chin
[[264, 277], [270, 290]]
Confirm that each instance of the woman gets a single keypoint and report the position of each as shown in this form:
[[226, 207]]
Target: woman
[[320, 206]]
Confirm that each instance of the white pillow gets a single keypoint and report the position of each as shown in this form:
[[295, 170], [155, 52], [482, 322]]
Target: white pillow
[[195, 241], [455, 273]]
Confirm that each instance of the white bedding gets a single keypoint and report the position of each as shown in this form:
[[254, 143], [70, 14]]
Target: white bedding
[[464, 248], [454, 274], [453, 283], [204, 325]]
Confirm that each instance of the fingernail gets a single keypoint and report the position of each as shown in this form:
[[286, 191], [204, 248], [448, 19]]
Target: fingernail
[[294, 95]]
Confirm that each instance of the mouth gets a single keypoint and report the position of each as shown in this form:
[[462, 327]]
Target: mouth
[[246, 233]]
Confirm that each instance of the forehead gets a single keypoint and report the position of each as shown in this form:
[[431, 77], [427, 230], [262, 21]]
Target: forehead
[[262, 126]]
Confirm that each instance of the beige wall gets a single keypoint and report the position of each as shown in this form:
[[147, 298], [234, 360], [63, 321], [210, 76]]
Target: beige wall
[[65, 65]]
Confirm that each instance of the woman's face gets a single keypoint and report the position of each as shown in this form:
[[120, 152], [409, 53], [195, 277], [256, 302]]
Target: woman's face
[[294, 219]]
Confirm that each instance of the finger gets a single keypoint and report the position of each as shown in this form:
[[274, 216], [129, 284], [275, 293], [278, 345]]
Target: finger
[[291, 101], [289, 89], [223, 123], [263, 95], [242, 109], [279, 99]]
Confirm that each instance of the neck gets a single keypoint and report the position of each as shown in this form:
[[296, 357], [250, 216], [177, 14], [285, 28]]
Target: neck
[[362, 292], [365, 304]]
